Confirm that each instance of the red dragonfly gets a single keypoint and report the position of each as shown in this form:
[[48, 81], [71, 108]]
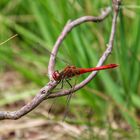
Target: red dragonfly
[[71, 71]]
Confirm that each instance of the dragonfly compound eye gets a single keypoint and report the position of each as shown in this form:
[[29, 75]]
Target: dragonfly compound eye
[[56, 75]]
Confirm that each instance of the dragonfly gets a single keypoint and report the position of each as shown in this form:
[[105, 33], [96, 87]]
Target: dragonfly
[[70, 71]]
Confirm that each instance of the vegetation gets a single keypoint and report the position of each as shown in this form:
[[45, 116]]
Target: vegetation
[[111, 101]]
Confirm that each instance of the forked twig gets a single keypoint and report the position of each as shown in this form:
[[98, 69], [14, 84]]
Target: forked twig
[[45, 92]]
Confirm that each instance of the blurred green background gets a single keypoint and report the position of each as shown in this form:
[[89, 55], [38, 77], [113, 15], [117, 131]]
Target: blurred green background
[[113, 96]]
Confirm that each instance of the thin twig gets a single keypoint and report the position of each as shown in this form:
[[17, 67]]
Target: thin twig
[[101, 60], [45, 92], [68, 27]]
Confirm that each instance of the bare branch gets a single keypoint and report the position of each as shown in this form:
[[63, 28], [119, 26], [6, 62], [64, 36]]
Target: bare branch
[[45, 92], [100, 62], [68, 27], [42, 95], [116, 5]]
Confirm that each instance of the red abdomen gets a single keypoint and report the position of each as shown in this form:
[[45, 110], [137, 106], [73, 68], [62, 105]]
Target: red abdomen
[[85, 70]]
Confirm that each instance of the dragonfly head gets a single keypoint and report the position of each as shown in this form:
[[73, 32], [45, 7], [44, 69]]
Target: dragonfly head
[[56, 75]]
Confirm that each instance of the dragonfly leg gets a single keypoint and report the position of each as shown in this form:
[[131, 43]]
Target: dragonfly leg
[[68, 83], [62, 84]]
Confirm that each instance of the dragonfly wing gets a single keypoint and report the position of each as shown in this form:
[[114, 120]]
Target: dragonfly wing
[[67, 106], [69, 97]]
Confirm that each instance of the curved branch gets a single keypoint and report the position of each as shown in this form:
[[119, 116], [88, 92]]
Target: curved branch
[[68, 27], [101, 60], [42, 95]]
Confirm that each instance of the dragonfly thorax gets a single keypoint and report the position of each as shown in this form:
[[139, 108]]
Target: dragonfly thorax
[[67, 73]]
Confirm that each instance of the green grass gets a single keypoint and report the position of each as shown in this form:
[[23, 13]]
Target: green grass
[[38, 24]]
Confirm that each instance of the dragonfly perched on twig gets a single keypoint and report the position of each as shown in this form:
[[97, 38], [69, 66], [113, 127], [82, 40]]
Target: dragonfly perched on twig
[[70, 71]]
